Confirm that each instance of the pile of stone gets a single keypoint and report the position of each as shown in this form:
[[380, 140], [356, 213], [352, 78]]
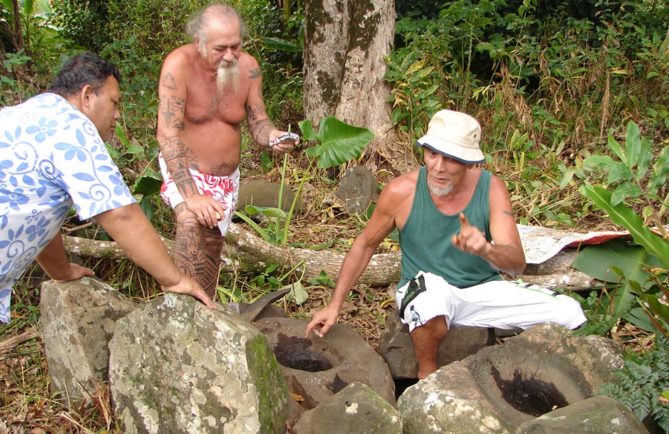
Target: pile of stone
[[173, 365]]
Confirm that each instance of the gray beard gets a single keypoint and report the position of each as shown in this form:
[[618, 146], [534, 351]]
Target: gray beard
[[227, 75], [439, 191]]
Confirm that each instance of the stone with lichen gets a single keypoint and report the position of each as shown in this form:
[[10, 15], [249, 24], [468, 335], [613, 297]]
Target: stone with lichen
[[177, 366], [77, 322], [503, 386]]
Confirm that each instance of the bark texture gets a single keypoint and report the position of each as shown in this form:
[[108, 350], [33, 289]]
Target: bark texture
[[346, 42]]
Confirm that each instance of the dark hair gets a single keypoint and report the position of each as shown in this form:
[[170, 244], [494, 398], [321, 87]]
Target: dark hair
[[80, 70]]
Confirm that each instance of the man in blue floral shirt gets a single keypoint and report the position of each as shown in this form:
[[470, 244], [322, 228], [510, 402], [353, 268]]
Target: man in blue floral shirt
[[53, 157]]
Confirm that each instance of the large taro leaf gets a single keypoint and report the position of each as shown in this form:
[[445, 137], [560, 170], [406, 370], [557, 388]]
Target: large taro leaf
[[639, 318], [623, 265], [599, 261], [338, 142], [627, 218]]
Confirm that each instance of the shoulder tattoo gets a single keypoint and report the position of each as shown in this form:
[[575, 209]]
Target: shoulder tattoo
[[168, 81]]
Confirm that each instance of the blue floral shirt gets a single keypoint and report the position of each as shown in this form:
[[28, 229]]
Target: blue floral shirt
[[51, 157]]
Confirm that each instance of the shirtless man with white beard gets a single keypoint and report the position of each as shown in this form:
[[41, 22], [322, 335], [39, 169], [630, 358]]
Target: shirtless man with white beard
[[207, 88]]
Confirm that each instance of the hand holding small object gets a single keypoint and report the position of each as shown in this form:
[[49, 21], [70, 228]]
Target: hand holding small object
[[287, 138]]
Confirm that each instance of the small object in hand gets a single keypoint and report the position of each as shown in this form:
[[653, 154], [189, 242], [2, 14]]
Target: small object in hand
[[285, 137]]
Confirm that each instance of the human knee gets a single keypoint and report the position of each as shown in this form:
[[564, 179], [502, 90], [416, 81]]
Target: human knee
[[436, 327], [569, 313]]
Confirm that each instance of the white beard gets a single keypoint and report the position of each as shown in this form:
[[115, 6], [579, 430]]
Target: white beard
[[439, 191], [227, 75]]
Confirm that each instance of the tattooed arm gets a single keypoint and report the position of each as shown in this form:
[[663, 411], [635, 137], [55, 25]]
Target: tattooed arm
[[172, 93], [260, 126]]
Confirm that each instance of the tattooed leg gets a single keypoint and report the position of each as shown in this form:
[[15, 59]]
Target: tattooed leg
[[197, 250]]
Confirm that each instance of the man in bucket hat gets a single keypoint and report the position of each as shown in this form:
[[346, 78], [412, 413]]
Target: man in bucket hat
[[457, 232]]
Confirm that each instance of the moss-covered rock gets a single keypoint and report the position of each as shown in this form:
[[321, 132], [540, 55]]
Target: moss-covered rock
[[177, 366]]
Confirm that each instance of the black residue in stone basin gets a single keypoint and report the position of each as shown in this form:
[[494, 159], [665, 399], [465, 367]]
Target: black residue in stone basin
[[337, 384], [296, 353], [529, 394]]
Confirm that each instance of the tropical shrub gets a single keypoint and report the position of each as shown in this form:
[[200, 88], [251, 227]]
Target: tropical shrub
[[643, 384], [639, 274]]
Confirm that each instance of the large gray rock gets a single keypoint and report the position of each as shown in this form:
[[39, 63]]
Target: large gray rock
[[77, 322], [179, 367], [396, 346], [266, 194], [503, 386], [597, 415], [356, 409], [357, 189], [316, 368]]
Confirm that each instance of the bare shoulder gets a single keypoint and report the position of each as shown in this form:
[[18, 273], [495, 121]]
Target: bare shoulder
[[498, 190], [399, 190], [181, 57], [403, 184], [178, 66], [249, 65], [500, 200]]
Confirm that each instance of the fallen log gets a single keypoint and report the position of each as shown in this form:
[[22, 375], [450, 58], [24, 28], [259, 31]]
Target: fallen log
[[10, 343], [246, 253], [571, 280]]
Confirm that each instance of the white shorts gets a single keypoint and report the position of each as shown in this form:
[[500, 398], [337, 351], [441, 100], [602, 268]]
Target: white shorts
[[499, 304], [224, 189]]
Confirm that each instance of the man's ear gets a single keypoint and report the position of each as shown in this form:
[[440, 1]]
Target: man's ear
[[84, 98]]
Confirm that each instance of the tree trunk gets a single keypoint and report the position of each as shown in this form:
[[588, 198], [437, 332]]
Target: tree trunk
[[18, 34], [346, 42], [246, 253]]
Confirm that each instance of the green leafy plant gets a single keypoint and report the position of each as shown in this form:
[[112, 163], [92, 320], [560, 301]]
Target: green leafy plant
[[643, 382], [269, 279], [337, 141], [623, 269], [129, 153], [651, 289], [414, 95], [267, 234], [322, 280], [9, 86], [273, 233], [643, 272], [628, 173]]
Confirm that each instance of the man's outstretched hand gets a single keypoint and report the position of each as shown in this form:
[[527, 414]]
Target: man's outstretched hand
[[187, 285], [470, 239], [322, 321]]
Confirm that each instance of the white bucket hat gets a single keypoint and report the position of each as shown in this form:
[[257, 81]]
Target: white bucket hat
[[455, 135]]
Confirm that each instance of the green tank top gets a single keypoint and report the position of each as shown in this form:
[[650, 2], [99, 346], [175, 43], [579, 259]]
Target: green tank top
[[425, 239]]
